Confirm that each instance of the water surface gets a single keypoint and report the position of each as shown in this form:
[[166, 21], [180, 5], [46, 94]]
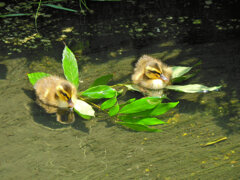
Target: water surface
[[35, 146]]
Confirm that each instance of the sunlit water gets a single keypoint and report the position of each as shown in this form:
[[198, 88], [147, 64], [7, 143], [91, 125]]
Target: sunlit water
[[35, 146]]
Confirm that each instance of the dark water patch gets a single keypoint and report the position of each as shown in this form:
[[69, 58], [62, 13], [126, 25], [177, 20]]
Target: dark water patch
[[3, 71]]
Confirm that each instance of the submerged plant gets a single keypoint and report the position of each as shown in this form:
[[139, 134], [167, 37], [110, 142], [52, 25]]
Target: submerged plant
[[135, 114]]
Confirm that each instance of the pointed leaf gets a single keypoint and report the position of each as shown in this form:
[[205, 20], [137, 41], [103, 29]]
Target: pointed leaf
[[139, 127], [34, 77], [102, 80], [193, 88], [183, 78], [158, 110], [141, 105], [98, 92], [149, 121], [109, 103], [59, 7], [178, 71], [128, 102], [70, 66], [83, 109], [14, 15], [114, 110]]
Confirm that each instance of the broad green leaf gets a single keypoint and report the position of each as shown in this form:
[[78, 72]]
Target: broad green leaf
[[70, 66], [149, 121], [193, 88], [113, 110], [108, 103], [138, 127], [102, 80], [158, 110], [98, 92], [59, 7], [183, 78], [83, 109], [34, 77], [15, 15], [178, 71], [128, 102], [141, 105], [162, 108]]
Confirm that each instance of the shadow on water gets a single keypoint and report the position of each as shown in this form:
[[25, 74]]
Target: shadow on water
[[191, 107], [227, 114], [3, 71], [49, 120]]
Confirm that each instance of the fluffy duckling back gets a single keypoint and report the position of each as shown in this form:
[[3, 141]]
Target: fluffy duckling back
[[151, 75], [57, 95]]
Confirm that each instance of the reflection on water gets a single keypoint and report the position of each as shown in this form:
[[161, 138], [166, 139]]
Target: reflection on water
[[33, 144]]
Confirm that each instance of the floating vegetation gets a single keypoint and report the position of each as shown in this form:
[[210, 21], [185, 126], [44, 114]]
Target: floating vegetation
[[139, 115]]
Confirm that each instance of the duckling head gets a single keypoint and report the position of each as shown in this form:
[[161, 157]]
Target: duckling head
[[155, 71], [65, 94]]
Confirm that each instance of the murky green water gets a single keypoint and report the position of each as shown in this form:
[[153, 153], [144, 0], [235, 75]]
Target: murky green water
[[35, 146]]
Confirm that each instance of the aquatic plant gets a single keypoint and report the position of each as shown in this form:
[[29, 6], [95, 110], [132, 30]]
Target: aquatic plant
[[179, 74], [138, 115]]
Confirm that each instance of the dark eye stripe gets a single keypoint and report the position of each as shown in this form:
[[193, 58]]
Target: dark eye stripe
[[65, 95], [155, 72]]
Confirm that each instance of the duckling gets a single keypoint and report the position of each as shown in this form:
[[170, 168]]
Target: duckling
[[151, 76], [57, 95]]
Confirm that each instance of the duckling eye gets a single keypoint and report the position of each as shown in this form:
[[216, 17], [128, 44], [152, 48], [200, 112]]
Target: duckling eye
[[64, 94], [155, 72]]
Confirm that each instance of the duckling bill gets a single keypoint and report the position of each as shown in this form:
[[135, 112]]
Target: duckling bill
[[57, 95], [151, 75]]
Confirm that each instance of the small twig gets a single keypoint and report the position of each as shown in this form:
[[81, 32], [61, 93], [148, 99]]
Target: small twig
[[214, 142]]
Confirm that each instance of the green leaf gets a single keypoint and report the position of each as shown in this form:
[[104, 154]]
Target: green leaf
[[128, 102], [149, 121], [98, 92], [138, 127], [34, 77], [114, 110], [109, 103], [102, 80], [83, 109], [193, 88], [59, 7], [158, 110], [141, 105], [70, 66], [178, 71], [15, 15], [183, 78]]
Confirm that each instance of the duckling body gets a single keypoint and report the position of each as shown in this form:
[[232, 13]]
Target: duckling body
[[151, 75], [57, 95]]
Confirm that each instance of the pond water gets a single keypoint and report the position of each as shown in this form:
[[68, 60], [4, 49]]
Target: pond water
[[35, 146]]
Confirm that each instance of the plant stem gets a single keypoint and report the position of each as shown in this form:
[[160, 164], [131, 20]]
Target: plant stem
[[98, 107]]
